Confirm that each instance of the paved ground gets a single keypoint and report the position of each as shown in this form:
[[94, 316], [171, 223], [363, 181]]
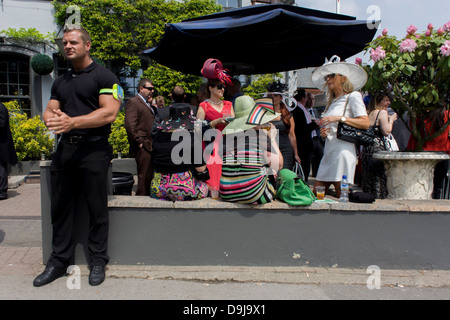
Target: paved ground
[[21, 261]]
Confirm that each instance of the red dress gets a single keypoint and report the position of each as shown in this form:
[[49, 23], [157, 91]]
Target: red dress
[[214, 163], [440, 143]]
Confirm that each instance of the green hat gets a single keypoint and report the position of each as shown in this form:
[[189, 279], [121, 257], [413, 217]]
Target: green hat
[[250, 113]]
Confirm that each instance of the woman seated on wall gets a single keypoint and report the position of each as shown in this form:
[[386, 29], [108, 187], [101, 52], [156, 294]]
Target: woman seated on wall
[[250, 153], [180, 173]]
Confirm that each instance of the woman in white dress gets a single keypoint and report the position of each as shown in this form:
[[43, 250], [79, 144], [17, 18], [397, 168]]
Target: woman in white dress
[[340, 80]]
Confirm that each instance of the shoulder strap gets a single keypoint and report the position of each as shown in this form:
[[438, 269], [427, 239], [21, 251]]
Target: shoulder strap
[[346, 103], [376, 119]]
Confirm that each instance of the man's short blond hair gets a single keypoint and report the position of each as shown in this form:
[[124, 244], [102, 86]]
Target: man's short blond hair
[[84, 35]]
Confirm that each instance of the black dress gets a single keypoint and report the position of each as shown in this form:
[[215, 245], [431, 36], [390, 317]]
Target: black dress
[[284, 144], [373, 175]]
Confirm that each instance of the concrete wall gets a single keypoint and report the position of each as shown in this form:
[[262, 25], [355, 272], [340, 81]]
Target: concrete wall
[[389, 234]]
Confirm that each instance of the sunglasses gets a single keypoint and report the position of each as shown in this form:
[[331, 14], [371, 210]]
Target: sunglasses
[[150, 88], [220, 86], [331, 76]]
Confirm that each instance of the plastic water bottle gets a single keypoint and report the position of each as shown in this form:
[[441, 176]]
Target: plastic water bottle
[[344, 189]]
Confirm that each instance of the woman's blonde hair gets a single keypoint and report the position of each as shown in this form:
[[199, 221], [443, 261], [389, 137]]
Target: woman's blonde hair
[[347, 87]]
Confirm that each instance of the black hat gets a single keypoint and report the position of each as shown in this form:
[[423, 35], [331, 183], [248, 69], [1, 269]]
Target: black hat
[[181, 117]]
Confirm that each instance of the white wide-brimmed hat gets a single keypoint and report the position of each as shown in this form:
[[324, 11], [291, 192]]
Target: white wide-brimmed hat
[[355, 73]]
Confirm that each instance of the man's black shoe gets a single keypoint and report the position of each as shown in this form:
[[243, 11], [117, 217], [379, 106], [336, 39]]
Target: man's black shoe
[[50, 274], [3, 196], [97, 275]]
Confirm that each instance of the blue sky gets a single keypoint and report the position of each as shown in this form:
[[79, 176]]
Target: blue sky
[[396, 15]]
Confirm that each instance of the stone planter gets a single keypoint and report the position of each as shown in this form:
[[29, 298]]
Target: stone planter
[[410, 174]]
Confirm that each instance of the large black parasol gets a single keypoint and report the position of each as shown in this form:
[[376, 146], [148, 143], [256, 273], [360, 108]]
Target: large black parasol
[[261, 39]]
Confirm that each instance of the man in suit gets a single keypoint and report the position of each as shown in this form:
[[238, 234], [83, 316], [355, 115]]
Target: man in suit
[[139, 119], [7, 151], [304, 127]]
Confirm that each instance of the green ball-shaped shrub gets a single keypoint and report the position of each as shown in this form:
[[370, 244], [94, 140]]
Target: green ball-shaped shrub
[[42, 64]]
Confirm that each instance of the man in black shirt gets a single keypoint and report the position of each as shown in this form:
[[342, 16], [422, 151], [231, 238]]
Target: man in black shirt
[[83, 104]]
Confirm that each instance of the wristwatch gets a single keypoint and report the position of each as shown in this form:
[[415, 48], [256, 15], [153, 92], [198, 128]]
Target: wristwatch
[[343, 119]]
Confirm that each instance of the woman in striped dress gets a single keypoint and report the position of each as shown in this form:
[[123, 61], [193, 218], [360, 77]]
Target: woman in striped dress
[[251, 155]]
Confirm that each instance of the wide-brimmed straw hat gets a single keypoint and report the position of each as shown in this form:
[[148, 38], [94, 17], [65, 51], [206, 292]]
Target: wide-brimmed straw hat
[[180, 118], [355, 73], [250, 113]]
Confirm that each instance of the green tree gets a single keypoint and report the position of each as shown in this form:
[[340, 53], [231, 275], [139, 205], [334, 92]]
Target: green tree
[[259, 84], [164, 79], [30, 135], [30, 35], [415, 70], [120, 29], [118, 137]]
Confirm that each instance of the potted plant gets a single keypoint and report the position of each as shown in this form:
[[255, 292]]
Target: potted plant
[[415, 70]]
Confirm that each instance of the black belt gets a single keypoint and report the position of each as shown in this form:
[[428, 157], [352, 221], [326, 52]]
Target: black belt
[[81, 139]]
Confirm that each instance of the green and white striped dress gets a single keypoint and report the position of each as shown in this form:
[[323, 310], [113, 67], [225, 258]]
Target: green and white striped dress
[[245, 176]]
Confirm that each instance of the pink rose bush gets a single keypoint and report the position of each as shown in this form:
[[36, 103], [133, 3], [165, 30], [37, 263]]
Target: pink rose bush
[[446, 27], [408, 45], [377, 54], [414, 70], [411, 30], [445, 49]]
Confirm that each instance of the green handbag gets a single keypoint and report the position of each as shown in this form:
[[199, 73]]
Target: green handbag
[[293, 190]]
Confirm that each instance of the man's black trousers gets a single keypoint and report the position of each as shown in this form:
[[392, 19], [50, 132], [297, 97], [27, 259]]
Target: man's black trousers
[[79, 179]]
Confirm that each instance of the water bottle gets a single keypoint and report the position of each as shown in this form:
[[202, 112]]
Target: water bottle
[[344, 189]]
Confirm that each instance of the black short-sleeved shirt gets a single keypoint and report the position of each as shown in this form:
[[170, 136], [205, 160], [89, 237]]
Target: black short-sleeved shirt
[[78, 93]]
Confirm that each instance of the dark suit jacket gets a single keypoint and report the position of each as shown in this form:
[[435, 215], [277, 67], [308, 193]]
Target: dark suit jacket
[[139, 121], [7, 150], [303, 131]]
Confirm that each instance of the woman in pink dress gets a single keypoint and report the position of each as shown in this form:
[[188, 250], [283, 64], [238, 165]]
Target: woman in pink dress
[[218, 112]]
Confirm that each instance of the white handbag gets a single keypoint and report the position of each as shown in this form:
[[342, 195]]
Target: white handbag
[[391, 144]]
